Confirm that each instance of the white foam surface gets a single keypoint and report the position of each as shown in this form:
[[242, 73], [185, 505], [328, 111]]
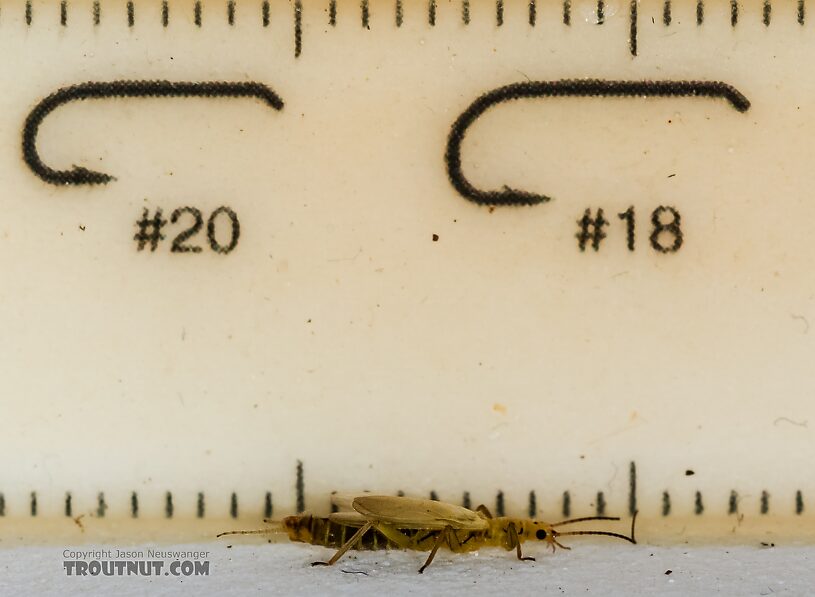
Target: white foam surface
[[586, 570]]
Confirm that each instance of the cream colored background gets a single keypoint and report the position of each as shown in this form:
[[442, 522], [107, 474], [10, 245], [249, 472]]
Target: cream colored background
[[338, 333]]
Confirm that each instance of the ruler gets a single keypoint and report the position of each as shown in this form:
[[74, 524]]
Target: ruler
[[550, 256]]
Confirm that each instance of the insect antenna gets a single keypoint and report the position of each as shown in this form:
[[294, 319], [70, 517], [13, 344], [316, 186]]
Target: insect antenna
[[630, 539], [606, 533], [584, 519]]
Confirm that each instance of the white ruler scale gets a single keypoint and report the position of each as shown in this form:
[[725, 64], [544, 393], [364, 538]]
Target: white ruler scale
[[555, 257]]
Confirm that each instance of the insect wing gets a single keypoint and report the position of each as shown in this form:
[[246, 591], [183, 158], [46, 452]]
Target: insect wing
[[350, 519], [344, 502], [412, 513]]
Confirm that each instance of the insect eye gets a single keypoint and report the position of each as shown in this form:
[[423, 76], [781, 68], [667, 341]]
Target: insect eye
[[540, 534]]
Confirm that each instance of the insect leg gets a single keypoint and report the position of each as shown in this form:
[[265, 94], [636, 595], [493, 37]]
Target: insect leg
[[482, 509], [348, 545], [394, 535], [515, 542], [421, 536], [453, 542], [443, 536]]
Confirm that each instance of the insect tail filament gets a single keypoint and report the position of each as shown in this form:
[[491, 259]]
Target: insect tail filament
[[255, 532]]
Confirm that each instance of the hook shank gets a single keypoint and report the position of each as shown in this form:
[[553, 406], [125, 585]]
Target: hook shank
[[123, 89], [564, 88]]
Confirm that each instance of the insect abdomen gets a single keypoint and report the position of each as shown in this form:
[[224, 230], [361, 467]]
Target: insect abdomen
[[326, 533]]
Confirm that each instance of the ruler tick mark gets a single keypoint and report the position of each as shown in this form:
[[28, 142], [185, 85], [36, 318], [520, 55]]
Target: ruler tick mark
[[97, 12], [399, 13], [332, 13], [533, 12], [131, 14], [698, 506], [499, 12], [767, 12], [499, 504], [233, 505], [431, 13], [434, 496], [532, 509], [700, 12], [267, 505], [134, 505], [165, 13], [28, 13], [666, 503], [801, 12], [634, 24], [199, 505], [566, 507], [298, 28], [632, 488], [601, 12], [567, 12], [230, 13], [765, 502], [733, 503], [799, 502], [300, 487], [168, 505], [465, 500], [196, 11], [68, 505], [600, 507], [264, 13], [734, 12], [33, 504], [666, 13], [101, 505], [366, 14], [63, 13], [465, 12]]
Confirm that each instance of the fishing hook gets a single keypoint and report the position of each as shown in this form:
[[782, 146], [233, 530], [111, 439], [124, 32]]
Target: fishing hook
[[122, 89], [564, 88]]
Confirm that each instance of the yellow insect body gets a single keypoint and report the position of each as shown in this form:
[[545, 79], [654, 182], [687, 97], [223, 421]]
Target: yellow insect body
[[387, 522], [425, 525]]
